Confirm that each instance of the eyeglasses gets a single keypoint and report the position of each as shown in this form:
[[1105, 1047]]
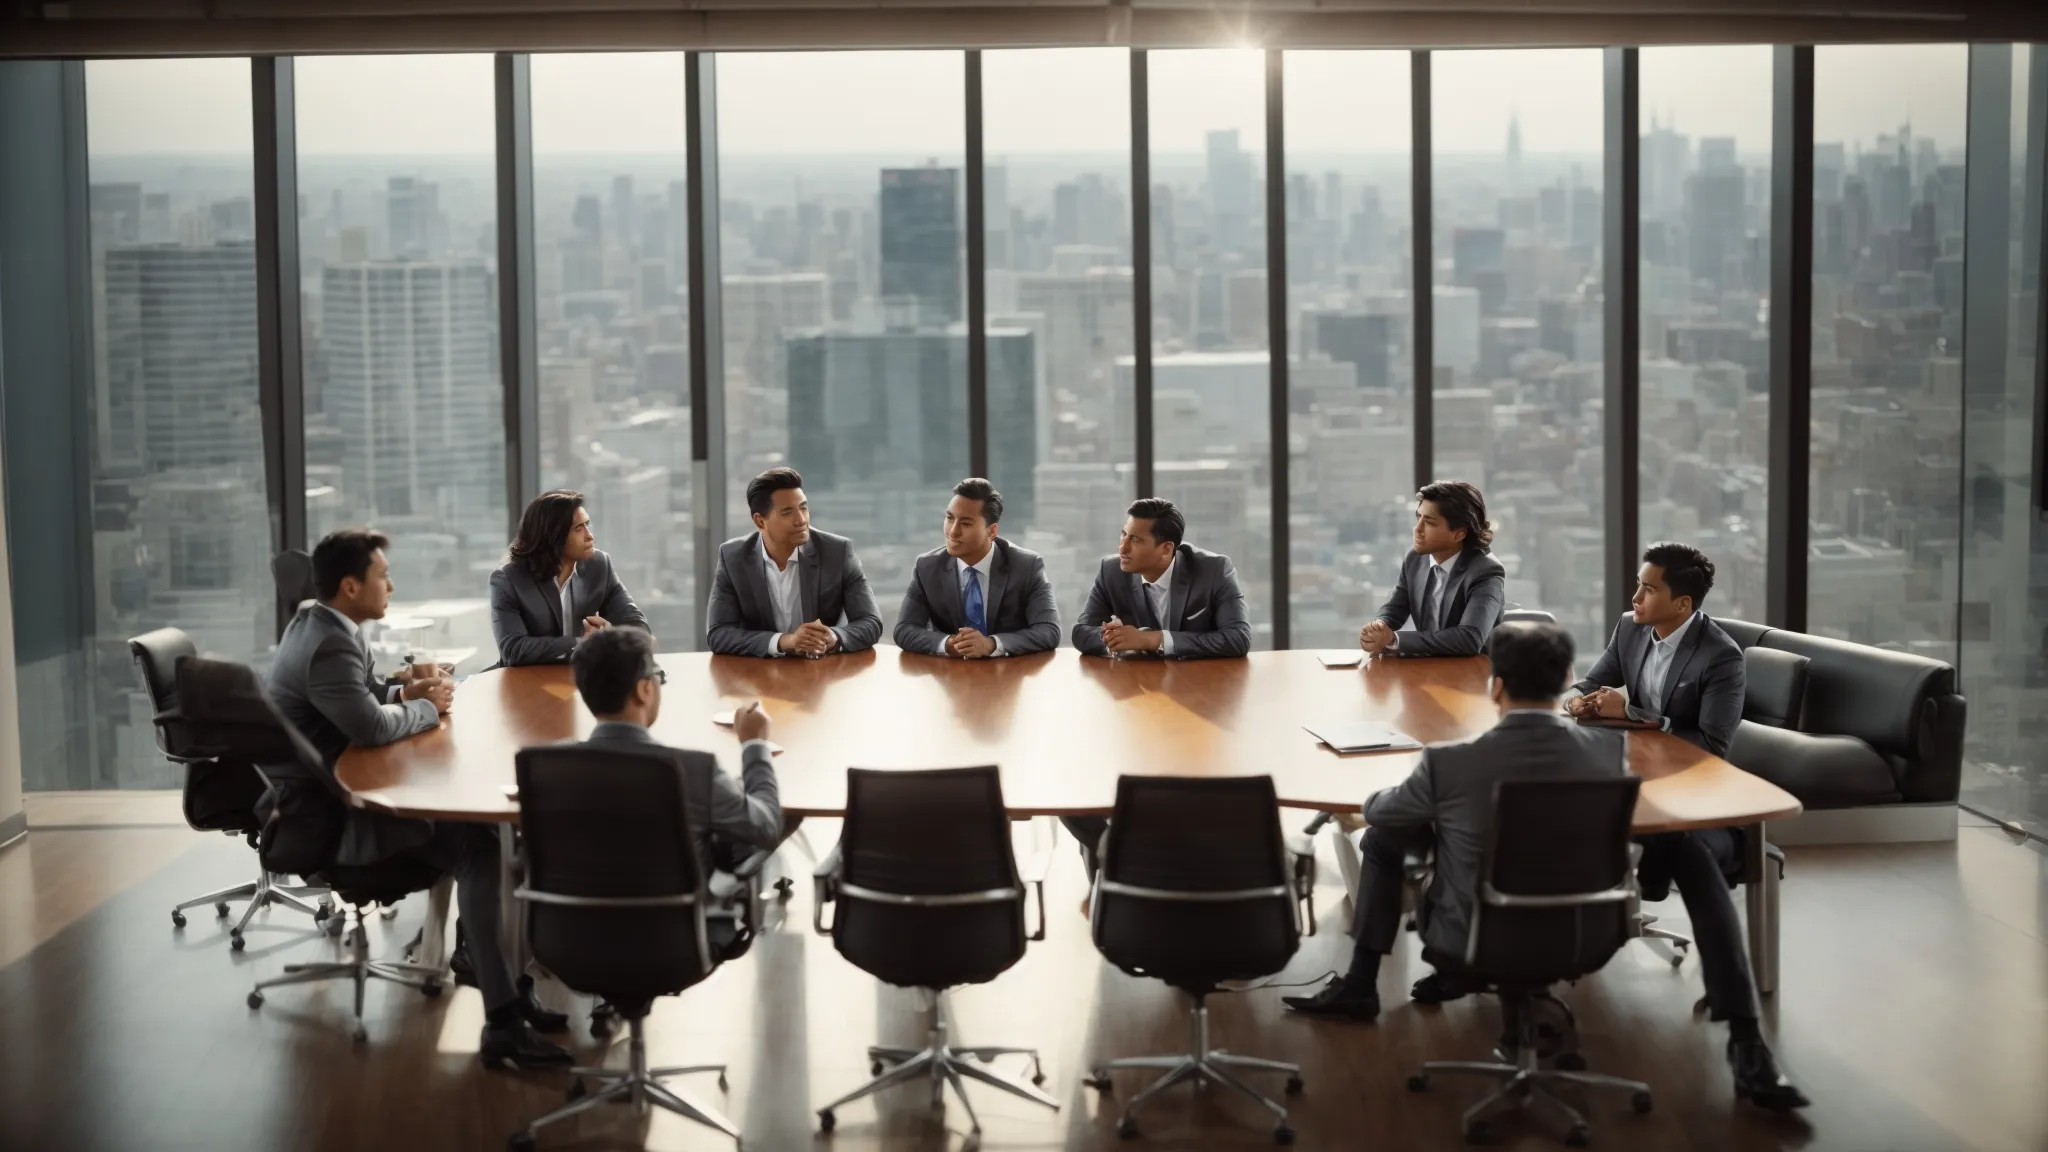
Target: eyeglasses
[[659, 675]]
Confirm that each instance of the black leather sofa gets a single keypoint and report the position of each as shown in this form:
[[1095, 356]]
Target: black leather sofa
[[1842, 725]]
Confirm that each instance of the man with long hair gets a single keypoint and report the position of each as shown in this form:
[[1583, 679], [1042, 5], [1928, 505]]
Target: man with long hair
[[1449, 594], [557, 586]]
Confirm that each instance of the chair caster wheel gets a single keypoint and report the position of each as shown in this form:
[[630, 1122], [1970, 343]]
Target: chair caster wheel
[[236, 942], [784, 888], [177, 918], [519, 1142], [1293, 1088], [1641, 1102], [431, 989], [1127, 1129], [388, 912], [1418, 1083], [361, 1034], [332, 925], [322, 911], [1283, 1135], [1038, 1076], [1578, 1137], [722, 1085], [1479, 1132], [1572, 1061], [603, 1023], [255, 999], [1099, 1080], [875, 1069], [826, 1120], [578, 1089], [1678, 959]]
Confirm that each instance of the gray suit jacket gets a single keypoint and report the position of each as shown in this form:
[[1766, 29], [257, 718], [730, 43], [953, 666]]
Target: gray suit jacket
[[526, 615], [1204, 606], [1018, 603], [748, 810], [1471, 605], [322, 682], [741, 615], [1450, 793], [1706, 682]]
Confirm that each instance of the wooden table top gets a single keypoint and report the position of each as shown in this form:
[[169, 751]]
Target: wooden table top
[[1062, 726]]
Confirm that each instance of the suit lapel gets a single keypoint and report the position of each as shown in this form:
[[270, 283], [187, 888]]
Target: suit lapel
[[1639, 640], [1137, 609], [543, 602], [1418, 587], [951, 611], [754, 581], [807, 581], [998, 575], [1681, 664], [1177, 593]]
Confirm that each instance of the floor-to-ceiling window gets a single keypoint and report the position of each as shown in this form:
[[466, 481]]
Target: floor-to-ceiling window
[[1517, 174], [611, 294], [1888, 193], [1705, 247], [1351, 380], [1211, 359], [844, 277], [1057, 181], [398, 245]]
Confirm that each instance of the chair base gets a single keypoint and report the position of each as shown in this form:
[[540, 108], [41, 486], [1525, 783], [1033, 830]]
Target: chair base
[[1203, 1065], [261, 892], [1524, 1079], [640, 1086], [941, 1064], [1671, 945], [360, 969]]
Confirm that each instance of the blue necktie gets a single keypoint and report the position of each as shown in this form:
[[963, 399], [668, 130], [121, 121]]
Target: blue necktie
[[977, 614]]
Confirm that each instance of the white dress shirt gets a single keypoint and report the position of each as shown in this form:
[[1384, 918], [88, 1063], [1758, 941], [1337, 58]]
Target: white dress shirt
[[1438, 580], [562, 590], [785, 592], [982, 568], [1657, 667], [391, 693], [1159, 594]]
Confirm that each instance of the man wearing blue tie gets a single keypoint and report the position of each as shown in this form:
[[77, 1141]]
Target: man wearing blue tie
[[979, 595]]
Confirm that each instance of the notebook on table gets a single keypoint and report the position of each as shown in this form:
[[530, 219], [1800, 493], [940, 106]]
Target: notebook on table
[[1362, 736], [1341, 659]]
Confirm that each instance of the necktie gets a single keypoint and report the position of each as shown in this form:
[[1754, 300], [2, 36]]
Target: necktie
[[977, 613], [1155, 602], [1432, 600]]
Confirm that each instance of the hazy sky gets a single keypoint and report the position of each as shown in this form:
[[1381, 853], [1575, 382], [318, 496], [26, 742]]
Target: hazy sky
[[1059, 100]]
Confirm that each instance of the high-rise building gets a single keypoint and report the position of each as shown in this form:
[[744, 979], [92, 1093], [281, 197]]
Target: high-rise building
[[180, 336], [412, 217], [1230, 191], [921, 243]]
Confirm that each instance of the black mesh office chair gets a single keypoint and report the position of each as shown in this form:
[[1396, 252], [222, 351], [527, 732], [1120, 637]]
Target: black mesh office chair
[[926, 895], [616, 906], [219, 795], [1196, 888], [305, 810], [1519, 615], [1552, 905], [292, 573]]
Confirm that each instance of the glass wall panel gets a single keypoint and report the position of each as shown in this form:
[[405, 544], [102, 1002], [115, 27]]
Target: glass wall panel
[[1210, 350], [1351, 386], [2004, 617], [1518, 331], [1056, 130], [398, 245], [176, 516], [845, 288], [611, 291], [1887, 344], [1705, 311]]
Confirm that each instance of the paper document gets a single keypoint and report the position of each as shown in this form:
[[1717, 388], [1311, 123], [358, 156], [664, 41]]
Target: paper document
[[1341, 659], [1362, 736]]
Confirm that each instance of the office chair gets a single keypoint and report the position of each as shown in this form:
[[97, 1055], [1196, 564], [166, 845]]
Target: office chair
[[1196, 889], [926, 895], [1552, 906], [1520, 615], [219, 795], [616, 906], [305, 810], [291, 571]]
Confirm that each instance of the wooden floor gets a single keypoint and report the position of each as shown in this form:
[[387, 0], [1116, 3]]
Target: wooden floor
[[1914, 1010]]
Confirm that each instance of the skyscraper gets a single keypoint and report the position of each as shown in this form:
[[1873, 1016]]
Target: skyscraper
[[921, 243], [181, 358]]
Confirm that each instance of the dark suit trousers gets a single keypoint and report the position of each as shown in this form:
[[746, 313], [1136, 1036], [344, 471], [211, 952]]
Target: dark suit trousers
[[1699, 864], [469, 852], [1088, 830], [1376, 914], [728, 855]]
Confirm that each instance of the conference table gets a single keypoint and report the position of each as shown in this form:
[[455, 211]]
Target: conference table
[[1060, 726]]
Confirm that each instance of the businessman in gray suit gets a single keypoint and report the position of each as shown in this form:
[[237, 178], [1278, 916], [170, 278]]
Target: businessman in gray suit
[[1670, 665], [1162, 597], [621, 685], [323, 682], [1449, 595], [787, 589], [556, 587], [979, 595]]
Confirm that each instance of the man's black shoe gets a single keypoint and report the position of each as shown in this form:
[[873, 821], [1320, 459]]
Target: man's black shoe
[[1758, 1080], [543, 1018], [518, 1045], [458, 960], [1437, 988], [1338, 1001]]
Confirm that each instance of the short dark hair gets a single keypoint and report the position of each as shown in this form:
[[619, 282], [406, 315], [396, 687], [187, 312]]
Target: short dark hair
[[975, 488], [544, 533], [1531, 659], [609, 663], [1167, 522], [342, 554], [1462, 505], [761, 489], [1687, 571]]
